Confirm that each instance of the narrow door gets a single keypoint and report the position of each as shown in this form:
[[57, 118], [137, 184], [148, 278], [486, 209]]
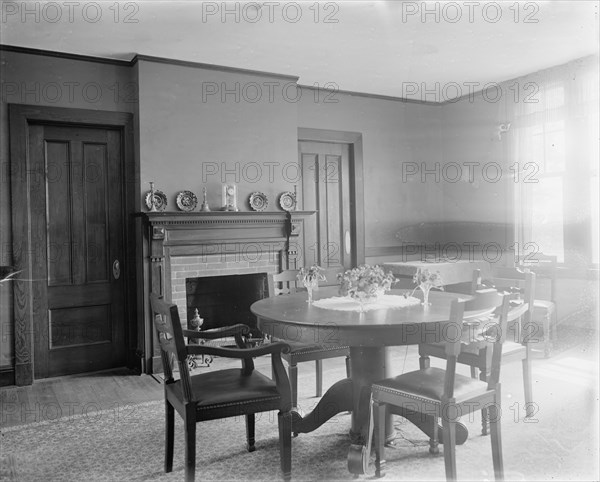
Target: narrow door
[[80, 202], [325, 169]]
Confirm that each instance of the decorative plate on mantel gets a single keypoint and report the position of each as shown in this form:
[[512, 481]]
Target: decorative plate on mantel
[[258, 201], [287, 201], [160, 200], [187, 201]]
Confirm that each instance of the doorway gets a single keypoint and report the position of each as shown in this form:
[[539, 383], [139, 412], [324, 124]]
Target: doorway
[[331, 166], [70, 211]]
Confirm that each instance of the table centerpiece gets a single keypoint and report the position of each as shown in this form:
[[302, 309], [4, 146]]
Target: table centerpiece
[[365, 283]]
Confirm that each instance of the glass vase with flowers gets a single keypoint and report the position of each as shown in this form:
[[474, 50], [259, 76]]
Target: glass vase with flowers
[[310, 277], [426, 280], [365, 283]]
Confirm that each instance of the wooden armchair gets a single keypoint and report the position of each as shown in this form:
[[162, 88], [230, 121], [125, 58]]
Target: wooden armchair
[[444, 393], [544, 310], [522, 285], [286, 283], [221, 393]]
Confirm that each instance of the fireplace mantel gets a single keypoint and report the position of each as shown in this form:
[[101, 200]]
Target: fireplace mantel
[[183, 235]]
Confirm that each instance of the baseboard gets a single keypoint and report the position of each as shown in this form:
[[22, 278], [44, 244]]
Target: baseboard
[[7, 376]]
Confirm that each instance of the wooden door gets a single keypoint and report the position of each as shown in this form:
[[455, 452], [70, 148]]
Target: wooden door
[[325, 169], [78, 206]]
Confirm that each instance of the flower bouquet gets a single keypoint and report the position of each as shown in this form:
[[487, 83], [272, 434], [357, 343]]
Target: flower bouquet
[[310, 278], [426, 280], [365, 283]]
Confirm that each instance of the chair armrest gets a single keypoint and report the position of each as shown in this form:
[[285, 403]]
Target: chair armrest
[[517, 310], [240, 353], [216, 333]]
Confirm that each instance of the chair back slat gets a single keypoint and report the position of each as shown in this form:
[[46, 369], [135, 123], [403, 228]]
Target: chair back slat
[[170, 336], [451, 332], [499, 337], [285, 283]]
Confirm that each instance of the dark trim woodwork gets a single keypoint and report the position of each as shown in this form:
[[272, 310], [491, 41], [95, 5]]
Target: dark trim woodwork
[[357, 195], [221, 68], [65, 55], [354, 93], [27, 301]]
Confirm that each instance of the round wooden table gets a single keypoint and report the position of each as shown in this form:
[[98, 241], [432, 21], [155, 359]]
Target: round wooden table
[[292, 318]]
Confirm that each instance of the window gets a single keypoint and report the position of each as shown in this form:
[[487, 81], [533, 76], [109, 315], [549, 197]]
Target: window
[[555, 143]]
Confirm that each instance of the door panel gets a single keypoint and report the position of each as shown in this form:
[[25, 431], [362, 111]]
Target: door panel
[[325, 169], [82, 328]]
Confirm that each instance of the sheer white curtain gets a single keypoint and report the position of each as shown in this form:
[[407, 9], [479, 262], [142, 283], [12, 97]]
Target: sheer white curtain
[[554, 151]]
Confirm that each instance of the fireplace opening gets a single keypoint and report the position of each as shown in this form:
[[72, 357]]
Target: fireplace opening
[[226, 300]]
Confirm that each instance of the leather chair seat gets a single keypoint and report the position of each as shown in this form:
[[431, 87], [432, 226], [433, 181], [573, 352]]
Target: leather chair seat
[[229, 386], [429, 384]]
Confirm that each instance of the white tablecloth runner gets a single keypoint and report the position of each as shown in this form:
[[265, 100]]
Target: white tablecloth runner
[[342, 303]]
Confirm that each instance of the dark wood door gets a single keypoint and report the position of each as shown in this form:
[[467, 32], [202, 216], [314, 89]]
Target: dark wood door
[[325, 169], [79, 203]]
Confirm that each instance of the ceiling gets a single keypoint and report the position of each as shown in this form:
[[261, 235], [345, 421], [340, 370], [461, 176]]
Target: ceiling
[[377, 47]]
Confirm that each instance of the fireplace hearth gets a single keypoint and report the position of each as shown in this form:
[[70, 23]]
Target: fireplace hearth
[[225, 300]]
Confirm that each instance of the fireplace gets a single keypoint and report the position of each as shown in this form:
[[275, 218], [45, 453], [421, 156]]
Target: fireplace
[[200, 259], [225, 300]]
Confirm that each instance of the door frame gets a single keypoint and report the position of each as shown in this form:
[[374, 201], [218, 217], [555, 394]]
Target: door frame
[[26, 303], [357, 197]]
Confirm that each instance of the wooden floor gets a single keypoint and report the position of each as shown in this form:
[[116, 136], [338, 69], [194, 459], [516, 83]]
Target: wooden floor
[[52, 398]]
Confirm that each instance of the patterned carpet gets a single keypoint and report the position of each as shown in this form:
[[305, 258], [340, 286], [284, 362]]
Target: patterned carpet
[[128, 443]]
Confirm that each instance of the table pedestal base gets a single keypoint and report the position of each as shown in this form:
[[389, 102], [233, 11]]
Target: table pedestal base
[[368, 365]]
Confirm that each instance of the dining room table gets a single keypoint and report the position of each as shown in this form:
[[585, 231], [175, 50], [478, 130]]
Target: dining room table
[[369, 330]]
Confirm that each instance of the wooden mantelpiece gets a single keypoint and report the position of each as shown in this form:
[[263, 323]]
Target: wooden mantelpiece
[[168, 235]]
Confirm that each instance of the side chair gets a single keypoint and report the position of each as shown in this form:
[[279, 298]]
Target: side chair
[[219, 394], [444, 393], [286, 283], [522, 333], [544, 310]]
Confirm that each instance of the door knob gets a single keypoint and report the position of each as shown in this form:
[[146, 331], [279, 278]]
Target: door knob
[[116, 269]]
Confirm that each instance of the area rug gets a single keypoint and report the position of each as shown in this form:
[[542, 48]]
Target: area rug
[[127, 443]]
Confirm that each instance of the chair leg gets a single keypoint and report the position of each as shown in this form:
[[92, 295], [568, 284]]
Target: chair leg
[[250, 424], [379, 415], [285, 444], [424, 362], [348, 372], [169, 435], [496, 440], [293, 374], [529, 407], [319, 377], [484, 410], [190, 449], [434, 441], [547, 336], [449, 440], [553, 325]]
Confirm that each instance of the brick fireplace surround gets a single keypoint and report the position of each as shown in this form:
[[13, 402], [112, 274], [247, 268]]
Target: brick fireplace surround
[[179, 246]]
